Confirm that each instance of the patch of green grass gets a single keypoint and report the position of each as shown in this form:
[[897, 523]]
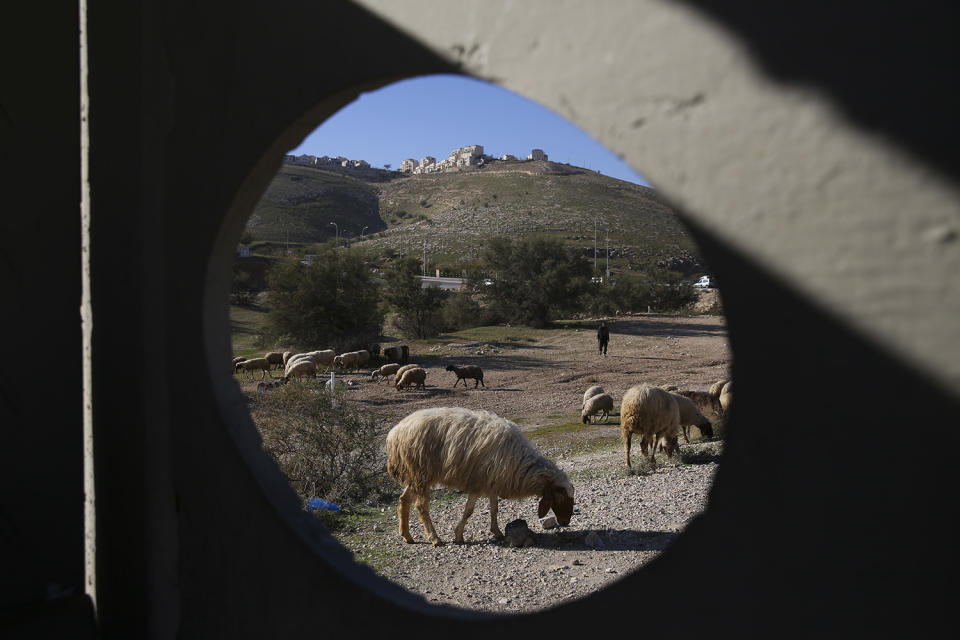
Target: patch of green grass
[[245, 326]]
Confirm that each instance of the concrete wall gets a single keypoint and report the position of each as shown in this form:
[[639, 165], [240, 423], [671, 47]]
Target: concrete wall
[[811, 151]]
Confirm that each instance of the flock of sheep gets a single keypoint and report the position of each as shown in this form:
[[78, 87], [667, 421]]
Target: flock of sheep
[[311, 363], [488, 456]]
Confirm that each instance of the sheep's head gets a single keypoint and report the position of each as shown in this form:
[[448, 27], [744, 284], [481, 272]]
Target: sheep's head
[[450, 367], [706, 428], [560, 501], [670, 444]]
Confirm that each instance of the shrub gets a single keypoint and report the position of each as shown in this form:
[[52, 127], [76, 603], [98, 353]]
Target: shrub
[[335, 454]]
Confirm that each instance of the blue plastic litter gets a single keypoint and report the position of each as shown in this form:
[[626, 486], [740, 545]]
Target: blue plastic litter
[[315, 504]]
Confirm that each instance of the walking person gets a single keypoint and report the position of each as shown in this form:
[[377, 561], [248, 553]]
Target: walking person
[[603, 337]]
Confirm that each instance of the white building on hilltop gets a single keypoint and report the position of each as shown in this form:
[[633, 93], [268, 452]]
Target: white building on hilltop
[[537, 154]]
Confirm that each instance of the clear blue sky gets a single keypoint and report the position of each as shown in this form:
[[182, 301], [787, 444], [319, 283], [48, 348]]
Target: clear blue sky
[[433, 115]]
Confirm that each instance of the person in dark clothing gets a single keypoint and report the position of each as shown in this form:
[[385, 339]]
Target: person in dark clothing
[[603, 337]]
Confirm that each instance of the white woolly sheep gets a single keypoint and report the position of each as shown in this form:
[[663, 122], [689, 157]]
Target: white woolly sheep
[[726, 396], [399, 373], [275, 358], [300, 368], [389, 369], [599, 405], [653, 414], [717, 387], [690, 416], [589, 393], [473, 451], [253, 365], [416, 376], [322, 359], [467, 371], [286, 356]]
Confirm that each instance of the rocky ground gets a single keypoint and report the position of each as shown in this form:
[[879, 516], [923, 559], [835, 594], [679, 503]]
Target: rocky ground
[[622, 518]]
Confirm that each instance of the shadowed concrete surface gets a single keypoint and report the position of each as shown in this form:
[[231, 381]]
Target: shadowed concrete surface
[[829, 514]]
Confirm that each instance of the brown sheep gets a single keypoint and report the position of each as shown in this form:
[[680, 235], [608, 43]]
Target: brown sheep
[[690, 416], [253, 365], [467, 371], [416, 376], [275, 358]]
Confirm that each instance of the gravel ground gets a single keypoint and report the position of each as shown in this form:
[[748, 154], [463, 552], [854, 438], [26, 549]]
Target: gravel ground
[[621, 520]]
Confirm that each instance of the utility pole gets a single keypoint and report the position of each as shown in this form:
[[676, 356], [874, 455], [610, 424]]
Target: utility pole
[[594, 246], [424, 255], [337, 241], [608, 255]]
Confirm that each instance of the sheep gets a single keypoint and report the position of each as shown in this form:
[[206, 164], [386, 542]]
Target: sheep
[[416, 376], [352, 359], [236, 360], [286, 356], [467, 371], [726, 396], [300, 368], [320, 358], [653, 414], [397, 353], [406, 367], [252, 365], [716, 387], [275, 358], [690, 415], [706, 402], [474, 451], [601, 403], [381, 374], [589, 393]]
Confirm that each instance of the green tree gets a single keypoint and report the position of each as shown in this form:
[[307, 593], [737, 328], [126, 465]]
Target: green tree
[[419, 309], [536, 280], [330, 303]]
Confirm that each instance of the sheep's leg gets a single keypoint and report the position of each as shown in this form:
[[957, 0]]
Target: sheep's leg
[[467, 512], [403, 513], [494, 527], [685, 438], [423, 510], [626, 442]]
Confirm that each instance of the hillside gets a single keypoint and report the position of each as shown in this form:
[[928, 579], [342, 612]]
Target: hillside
[[457, 212]]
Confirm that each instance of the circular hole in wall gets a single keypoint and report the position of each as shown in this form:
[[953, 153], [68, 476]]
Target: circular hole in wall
[[442, 221]]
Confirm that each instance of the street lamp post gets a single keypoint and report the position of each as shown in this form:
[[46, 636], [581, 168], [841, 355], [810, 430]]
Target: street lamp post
[[361, 232], [337, 241]]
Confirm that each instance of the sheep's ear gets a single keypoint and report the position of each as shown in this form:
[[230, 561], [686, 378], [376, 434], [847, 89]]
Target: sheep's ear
[[545, 503]]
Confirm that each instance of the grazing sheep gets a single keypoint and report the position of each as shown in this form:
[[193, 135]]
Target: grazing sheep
[[320, 358], [381, 374], [300, 368], [236, 360], [286, 356], [589, 393], [690, 415], [717, 387], [467, 371], [416, 376], [352, 359], [252, 365], [726, 396], [275, 358], [397, 353], [706, 402], [598, 405], [399, 373], [474, 451], [653, 414]]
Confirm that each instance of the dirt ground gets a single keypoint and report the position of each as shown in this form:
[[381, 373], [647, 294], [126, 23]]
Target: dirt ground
[[622, 518]]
